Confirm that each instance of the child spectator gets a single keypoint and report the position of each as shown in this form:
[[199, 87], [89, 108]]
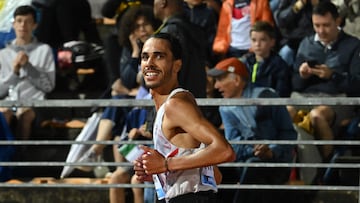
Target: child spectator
[[266, 68]]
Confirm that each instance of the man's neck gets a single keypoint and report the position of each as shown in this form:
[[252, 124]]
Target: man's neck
[[22, 41], [160, 95]]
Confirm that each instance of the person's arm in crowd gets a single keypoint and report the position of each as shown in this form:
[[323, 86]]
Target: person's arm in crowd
[[233, 133], [278, 126], [349, 82], [286, 14], [42, 75]]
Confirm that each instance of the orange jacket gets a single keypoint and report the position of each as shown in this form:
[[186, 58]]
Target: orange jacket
[[259, 10]]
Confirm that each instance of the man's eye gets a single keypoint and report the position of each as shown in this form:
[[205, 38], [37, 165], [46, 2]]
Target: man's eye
[[144, 58]]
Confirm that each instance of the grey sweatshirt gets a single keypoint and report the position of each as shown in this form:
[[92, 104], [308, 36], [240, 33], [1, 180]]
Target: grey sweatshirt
[[35, 79]]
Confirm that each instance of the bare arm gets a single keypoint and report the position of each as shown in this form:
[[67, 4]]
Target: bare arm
[[183, 121]]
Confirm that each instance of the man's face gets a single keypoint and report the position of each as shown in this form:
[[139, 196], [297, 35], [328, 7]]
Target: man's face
[[157, 63], [230, 85], [326, 27], [261, 43], [24, 26]]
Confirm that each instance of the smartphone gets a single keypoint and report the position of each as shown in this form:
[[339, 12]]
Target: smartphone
[[312, 63]]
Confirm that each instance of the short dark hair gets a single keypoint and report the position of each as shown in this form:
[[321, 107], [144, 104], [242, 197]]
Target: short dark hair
[[175, 45], [324, 7], [25, 10], [263, 26]]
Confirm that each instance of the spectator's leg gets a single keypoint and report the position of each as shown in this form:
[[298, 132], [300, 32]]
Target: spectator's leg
[[7, 113], [25, 116], [138, 192], [117, 195], [322, 119], [103, 134]]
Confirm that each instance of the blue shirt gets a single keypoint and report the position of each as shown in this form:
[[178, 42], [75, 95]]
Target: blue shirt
[[259, 123]]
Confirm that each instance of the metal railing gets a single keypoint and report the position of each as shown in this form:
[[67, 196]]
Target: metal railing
[[75, 103]]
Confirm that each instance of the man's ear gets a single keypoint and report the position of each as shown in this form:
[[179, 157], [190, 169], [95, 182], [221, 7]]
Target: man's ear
[[177, 65], [338, 21]]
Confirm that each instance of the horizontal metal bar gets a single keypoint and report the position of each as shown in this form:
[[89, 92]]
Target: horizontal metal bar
[[201, 101], [221, 186], [232, 164], [90, 142]]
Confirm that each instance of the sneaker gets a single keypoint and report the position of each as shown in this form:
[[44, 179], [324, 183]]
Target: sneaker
[[88, 157]]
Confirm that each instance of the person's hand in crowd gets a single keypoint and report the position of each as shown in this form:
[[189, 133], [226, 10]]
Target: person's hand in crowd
[[21, 59], [137, 132], [135, 45], [321, 70], [263, 151], [118, 88]]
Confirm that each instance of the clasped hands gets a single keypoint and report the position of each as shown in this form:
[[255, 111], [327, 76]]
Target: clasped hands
[[151, 162]]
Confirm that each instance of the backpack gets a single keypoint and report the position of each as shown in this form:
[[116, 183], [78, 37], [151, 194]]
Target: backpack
[[79, 54]]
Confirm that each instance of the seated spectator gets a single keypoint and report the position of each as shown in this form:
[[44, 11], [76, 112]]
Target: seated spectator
[[265, 66], [138, 24], [192, 75], [293, 19], [253, 123], [201, 14], [115, 9], [327, 65], [64, 20], [28, 66], [236, 18], [137, 128]]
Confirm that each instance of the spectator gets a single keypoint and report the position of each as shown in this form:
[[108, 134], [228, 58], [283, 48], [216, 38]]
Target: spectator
[[236, 18], [138, 24], [64, 20], [28, 66], [253, 123], [136, 129], [265, 66], [293, 19], [115, 9], [192, 38], [327, 65], [204, 16]]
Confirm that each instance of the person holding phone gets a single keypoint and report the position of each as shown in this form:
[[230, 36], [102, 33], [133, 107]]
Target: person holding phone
[[335, 73]]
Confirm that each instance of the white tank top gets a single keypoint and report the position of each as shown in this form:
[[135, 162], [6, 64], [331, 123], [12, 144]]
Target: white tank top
[[175, 183]]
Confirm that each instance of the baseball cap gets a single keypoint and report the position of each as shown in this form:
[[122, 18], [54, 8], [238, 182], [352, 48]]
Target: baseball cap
[[229, 65]]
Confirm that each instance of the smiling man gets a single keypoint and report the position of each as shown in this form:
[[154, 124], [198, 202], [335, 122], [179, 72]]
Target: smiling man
[[187, 146]]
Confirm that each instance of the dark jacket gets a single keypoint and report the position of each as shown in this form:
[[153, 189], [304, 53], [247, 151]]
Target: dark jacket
[[206, 18], [294, 26], [192, 75], [129, 67], [343, 58], [272, 72]]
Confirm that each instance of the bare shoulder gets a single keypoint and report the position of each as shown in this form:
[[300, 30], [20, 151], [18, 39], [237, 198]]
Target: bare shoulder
[[180, 100]]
